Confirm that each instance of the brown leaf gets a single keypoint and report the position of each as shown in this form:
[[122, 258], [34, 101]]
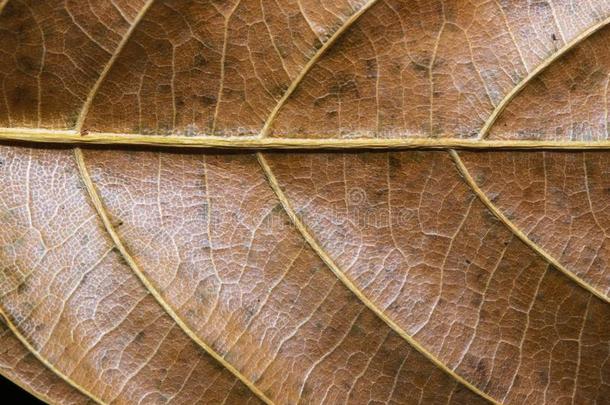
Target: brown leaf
[[18, 364], [134, 275], [569, 101]]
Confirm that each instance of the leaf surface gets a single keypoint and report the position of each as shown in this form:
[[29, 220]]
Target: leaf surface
[[147, 275], [20, 366]]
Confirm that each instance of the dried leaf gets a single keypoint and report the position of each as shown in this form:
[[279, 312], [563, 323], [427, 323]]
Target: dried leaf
[[135, 275], [18, 364]]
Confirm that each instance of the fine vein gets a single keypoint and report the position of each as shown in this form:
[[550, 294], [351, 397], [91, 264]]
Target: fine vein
[[28, 389], [110, 229], [491, 120], [7, 321], [310, 64], [302, 228], [101, 210], [87, 105], [518, 233]]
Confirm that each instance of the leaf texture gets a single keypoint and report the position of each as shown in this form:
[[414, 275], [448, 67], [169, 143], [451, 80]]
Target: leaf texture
[[21, 366], [568, 101], [433, 68], [141, 275], [71, 296]]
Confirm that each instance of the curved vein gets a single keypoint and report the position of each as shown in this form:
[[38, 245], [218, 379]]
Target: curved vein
[[3, 3], [87, 105], [310, 64], [7, 321], [97, 203], [41, 397], [302, 228], [99, 207], [518, 233], [491, 120]]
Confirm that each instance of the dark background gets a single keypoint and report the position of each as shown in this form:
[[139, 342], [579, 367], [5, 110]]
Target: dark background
[[12, 394]]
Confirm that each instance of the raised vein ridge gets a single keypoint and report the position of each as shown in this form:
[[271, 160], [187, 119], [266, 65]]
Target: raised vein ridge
[[518, 233], [99, 207], [491, 120], [302, 228], [71, 137], [87, 105], [310, 64], [43, 360]]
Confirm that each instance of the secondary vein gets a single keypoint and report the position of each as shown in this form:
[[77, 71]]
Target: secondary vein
[[101, 210], [312, 242], [520, 234]]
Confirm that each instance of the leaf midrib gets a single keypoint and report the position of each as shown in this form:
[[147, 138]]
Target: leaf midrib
[[249, 143]]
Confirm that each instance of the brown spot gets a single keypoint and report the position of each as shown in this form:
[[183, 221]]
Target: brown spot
[[23, 287], [395, 163], [27, 65]]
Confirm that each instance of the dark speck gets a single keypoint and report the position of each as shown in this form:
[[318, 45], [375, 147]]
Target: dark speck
[[23, 287], [395, 163]]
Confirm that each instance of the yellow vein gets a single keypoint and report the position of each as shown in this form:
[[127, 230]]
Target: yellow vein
[[87, 105], [314, 59], [223, 58], [3, 3], [248, 143], [518, 233], [6, 320], [302, 228], [491, 120], [41, 397], [110, 229], [101, 210], [15, 378]]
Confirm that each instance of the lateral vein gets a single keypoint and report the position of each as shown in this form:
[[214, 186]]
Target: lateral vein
[[518, 232], [310, 64], [87, 105], [7, 321], [101, 210], [309, 238], [491, 120]]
